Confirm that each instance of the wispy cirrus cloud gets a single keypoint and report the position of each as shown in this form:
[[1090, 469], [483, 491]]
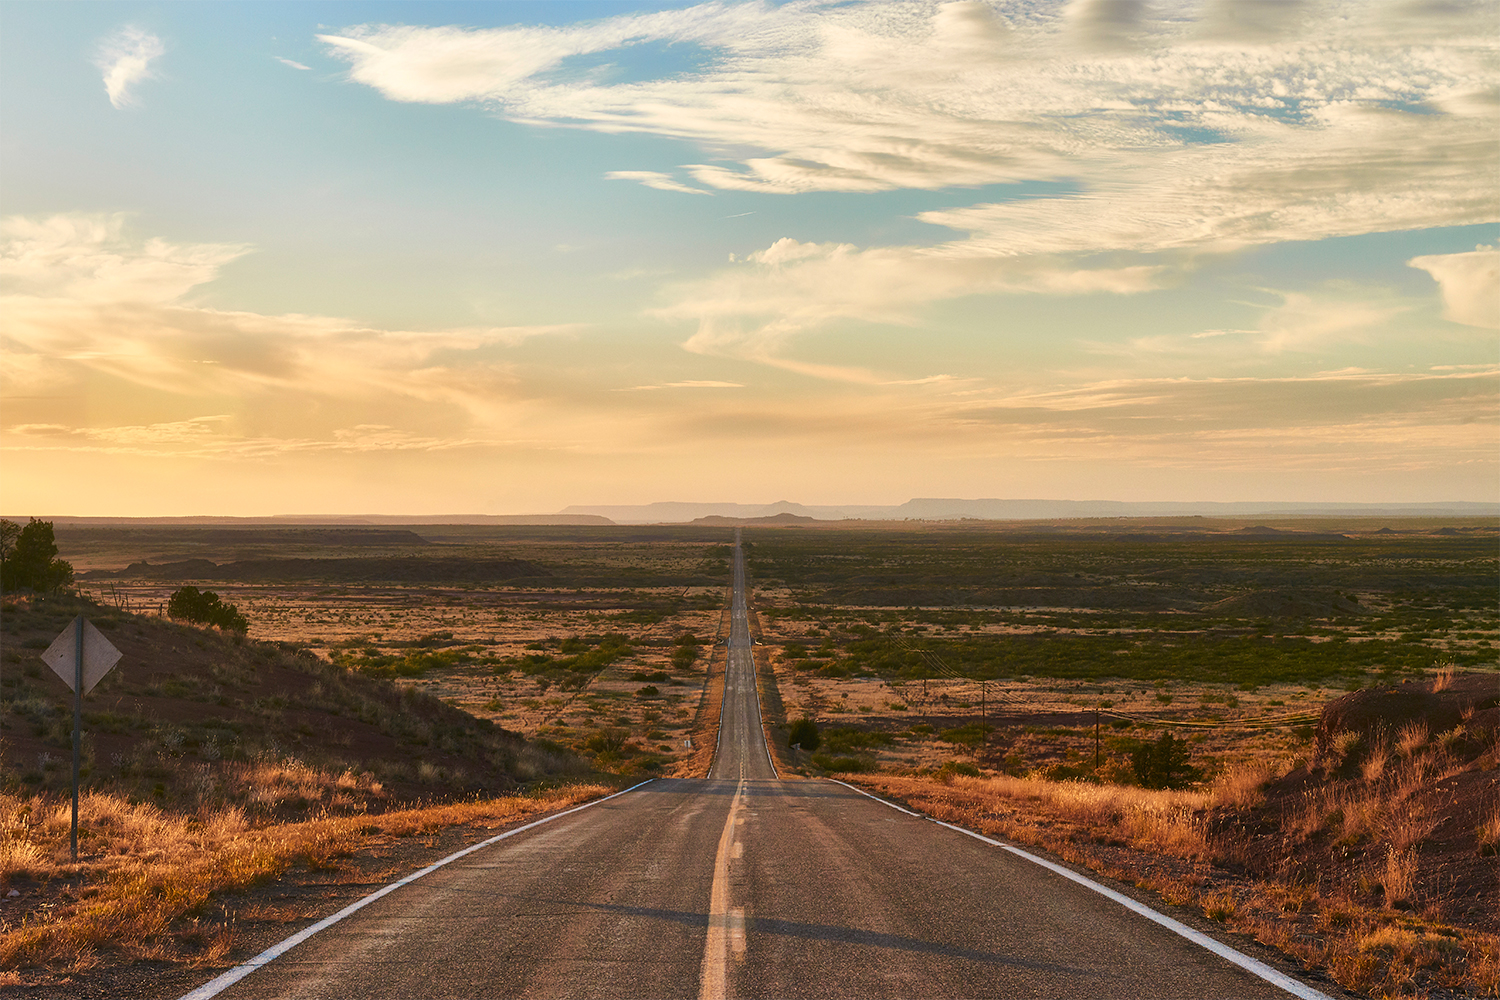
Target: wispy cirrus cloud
[[686, 384], [654, 179], [125, 57], [1175, 131], [753, 308], [1161, 116], [214, 437]]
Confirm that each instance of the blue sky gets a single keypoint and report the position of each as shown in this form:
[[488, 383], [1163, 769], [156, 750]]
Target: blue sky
[[420, 258]]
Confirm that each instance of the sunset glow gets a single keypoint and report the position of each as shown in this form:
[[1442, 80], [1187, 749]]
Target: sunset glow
[[503, 258]]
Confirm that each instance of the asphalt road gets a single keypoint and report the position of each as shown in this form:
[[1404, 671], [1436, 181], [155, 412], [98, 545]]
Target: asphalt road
[[743, 885]]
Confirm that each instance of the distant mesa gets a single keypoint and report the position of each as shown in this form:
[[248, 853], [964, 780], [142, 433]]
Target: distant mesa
[[409, 569], [937, 509], [774, 519]]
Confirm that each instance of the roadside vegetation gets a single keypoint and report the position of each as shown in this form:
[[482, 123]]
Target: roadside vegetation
[[1375, 861], [159, 885], [1151, 701], [212, 765], [1181, 712]]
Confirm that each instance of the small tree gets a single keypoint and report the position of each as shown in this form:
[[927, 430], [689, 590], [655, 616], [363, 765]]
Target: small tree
[[805, 732], [1164, 764], [28, 558], [203, 607]]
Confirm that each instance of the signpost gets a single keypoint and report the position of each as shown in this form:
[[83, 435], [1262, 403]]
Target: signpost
[[81, 656]]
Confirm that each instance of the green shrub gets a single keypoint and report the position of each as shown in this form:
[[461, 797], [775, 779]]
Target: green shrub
[[203, 607], [1164, 764], [805, 732], [968, 736], [844, 739], [845, 765]]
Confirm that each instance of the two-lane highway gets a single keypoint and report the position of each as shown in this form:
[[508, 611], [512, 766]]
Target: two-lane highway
[[746, 885], [741, 750]]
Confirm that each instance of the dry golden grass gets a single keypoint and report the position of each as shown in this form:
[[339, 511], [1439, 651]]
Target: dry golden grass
[[705, 728], [1382, 951], [1488, 833], [146, 875]]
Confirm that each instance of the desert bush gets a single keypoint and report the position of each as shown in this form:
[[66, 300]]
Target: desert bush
[[844, 765], [844, 739], [1487, 834], [1164, 764], [1413, 737], [1400, 876], [203, 607], [804, 731], [968, 736]]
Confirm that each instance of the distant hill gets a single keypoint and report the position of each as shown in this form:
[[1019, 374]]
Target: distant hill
[[924, 509], [791, 519], [330, 519], [408, 569]]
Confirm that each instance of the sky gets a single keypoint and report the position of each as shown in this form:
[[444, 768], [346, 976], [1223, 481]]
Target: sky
[[419, 258]]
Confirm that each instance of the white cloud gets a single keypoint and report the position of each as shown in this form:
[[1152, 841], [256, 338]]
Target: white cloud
[[1305, 321], [81, 296], [1237, 124], [654, 179], [753, 308], [126, 57], [441, 65], [88, 257], [292, 63], [1470, 283]]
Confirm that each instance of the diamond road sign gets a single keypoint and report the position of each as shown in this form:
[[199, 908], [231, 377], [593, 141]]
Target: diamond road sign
[[99, 655]]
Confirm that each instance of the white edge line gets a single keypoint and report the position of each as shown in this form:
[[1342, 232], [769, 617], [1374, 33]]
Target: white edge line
[[217, 985], [760, 719], [1254, 966]]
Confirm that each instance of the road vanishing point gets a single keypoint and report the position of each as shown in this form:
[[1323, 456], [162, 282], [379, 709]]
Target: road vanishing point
[[743, 884]]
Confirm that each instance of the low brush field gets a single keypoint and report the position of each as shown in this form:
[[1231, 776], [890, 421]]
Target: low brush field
[[1332, 690], [1008, 677]]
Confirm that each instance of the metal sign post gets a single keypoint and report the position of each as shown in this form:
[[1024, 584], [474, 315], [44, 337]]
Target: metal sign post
[[81, 656], [77, 721]]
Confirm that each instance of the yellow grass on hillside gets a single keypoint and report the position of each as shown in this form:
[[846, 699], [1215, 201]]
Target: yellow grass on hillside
[[1373, 950], [146, 875]]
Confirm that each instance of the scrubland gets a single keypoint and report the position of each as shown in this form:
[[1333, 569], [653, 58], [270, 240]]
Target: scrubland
[[1342, 873], [1003, 677]]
